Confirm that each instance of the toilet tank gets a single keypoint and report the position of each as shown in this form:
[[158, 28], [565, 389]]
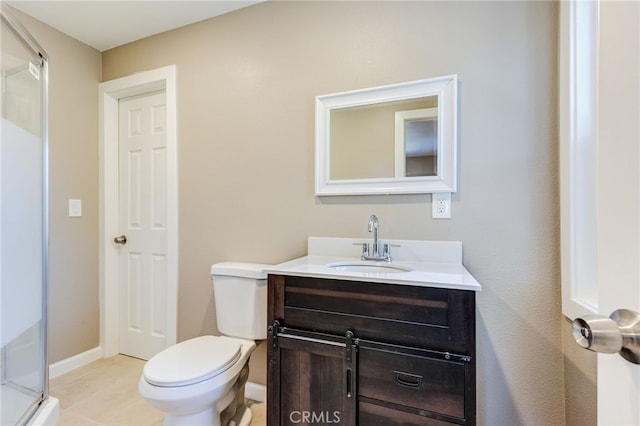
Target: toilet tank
[[240, 292]]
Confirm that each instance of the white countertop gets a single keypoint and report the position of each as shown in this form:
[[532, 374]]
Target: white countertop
[[426, 271]]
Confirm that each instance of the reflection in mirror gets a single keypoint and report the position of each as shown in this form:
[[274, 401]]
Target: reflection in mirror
[[417, 142], [362, 138], [396, 139]]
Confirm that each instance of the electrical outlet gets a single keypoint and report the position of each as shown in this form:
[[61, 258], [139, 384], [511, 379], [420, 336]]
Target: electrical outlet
[[441, 205]]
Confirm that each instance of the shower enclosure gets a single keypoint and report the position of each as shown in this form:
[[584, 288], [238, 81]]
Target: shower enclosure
[[23, 226]]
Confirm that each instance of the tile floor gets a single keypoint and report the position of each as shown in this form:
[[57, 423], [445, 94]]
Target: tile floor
[[105, 392]]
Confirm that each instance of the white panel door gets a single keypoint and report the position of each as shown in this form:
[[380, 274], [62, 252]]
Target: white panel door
[[618, 198], [143, 216]]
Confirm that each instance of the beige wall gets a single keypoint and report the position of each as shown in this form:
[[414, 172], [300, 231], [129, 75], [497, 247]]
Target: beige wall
[[74, 73], [246, 87]]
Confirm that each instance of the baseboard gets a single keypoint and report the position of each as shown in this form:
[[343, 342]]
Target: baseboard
[[252, 390], [255, 391], [74, 362]]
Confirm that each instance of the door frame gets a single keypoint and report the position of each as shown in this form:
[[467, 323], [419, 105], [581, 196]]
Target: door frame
[[110, 92], [578, 128]]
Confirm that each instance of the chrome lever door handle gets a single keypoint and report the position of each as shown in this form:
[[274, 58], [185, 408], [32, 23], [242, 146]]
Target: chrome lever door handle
[[618, 333], [122, 239]]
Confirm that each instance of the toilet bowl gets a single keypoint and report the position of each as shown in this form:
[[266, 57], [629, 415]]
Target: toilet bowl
[[193, 382], [201, 381]]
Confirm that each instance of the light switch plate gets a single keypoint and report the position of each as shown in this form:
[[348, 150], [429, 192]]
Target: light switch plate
[[75, 208]]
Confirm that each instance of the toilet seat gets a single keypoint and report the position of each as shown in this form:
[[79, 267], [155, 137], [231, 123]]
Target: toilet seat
[[192, 361]]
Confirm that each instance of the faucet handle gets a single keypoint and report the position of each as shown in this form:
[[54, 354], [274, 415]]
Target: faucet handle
[[386, 250], [365, 248]]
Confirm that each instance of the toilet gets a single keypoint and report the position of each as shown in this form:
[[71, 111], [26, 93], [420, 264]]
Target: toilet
[[201, 381]]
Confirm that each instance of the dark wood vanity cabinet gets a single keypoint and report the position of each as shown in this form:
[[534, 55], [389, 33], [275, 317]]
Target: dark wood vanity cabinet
[[350, 352]]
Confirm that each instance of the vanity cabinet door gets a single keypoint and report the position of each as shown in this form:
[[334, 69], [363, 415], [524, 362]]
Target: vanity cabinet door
[[423, 387], [311, 380]]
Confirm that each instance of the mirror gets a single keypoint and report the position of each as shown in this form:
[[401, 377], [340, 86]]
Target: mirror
[[396, 139]]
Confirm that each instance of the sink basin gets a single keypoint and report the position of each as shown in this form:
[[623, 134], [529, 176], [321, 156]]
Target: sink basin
[[369, 267]]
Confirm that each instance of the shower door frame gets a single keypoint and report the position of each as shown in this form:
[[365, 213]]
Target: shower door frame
[[29, 43]]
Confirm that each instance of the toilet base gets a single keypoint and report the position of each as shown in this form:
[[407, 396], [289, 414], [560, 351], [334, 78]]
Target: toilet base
[[210, 417], [230, 410], [206, 417]]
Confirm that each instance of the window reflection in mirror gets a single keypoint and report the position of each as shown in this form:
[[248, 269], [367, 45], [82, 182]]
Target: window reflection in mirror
[[384, 140]]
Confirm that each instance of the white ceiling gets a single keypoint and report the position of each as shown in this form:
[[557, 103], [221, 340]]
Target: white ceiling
[[109, 23]]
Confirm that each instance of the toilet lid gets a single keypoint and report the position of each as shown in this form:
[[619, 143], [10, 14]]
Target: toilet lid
[[191, 361]]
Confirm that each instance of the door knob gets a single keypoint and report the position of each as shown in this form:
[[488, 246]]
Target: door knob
[[618, 333], [122, 239]]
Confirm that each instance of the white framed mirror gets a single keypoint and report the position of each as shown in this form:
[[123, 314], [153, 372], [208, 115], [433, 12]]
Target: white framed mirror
[[395, 139]]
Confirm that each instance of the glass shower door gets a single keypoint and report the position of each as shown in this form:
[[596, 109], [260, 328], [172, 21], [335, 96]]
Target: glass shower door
[[23, 225]]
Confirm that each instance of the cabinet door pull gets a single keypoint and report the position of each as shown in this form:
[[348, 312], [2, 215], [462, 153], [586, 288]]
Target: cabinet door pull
[[407, 380]]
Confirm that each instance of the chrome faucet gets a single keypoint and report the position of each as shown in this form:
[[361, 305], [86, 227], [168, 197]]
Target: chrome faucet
[[374, 226]]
